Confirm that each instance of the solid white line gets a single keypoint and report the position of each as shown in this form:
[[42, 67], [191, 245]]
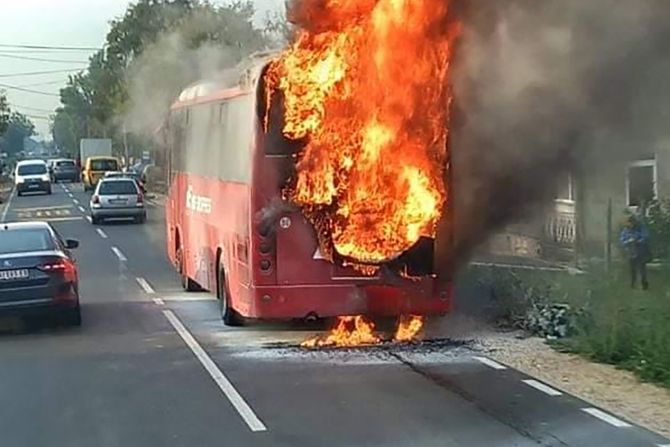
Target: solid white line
[[221, 380], [7, 205], [542, 387], [81, 208], [90, 220], [490, 363], [101, 233], [76, 202], [159, 301], [606, 417], [145, 285], [119, 255]]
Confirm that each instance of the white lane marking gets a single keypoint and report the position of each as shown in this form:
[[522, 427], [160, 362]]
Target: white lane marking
[[76, 202], [663, 445], [145, 285], [7, 205], [606, 417], [101, 233], [490, 363], [119, 254], [90, 220], [159, 301], [546, 389], [70, 195], [81, 208], [244, 410]]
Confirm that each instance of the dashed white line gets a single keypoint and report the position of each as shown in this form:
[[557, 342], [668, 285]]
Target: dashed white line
[[606, 417], [542, 387], [90, 220], [119, 254], [7, 205], [81, 208], [76, 202], [102, 233], [145, 285], [490, 363], [159, 301], [243, 409]]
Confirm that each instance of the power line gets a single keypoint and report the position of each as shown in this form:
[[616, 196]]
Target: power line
[[21, 89], [38, 84], [38, 117], [39, 59], [50, 47], [34, 109], [36, 73]]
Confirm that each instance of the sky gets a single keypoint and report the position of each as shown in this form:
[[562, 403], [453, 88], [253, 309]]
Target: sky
[[81, 23]]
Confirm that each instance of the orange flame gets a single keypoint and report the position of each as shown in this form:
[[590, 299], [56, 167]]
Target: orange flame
[[350, 331], [369, 95], [408, 328]]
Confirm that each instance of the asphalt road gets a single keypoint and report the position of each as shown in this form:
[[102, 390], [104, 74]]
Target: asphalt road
[[154, 366]]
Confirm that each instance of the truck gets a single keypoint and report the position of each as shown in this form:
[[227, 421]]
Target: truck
[[94, 147]]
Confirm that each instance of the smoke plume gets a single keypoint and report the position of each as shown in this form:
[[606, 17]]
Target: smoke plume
[[543, 87]]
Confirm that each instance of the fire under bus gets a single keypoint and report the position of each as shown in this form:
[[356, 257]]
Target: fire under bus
[[230, 229]]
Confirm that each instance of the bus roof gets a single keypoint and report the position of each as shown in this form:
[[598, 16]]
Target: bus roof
[[228, 84]]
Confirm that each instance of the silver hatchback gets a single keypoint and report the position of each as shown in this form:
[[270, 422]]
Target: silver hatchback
[[117, 197]]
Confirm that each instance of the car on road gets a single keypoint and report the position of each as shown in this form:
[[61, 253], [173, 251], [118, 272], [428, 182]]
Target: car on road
[[127, 174], [64, 169], [117, 197], [38, 275], [32, 176], [95, 169]]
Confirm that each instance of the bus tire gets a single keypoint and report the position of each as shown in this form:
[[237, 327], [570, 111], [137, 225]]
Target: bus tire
[[228, 315], [187, 283]]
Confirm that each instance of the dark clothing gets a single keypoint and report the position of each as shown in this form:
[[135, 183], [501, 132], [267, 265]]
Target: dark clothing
[[635, 242], [638, 265]]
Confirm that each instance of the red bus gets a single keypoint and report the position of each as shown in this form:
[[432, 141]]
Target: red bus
[[229, 232]]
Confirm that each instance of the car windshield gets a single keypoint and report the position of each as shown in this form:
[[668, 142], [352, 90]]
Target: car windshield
[[33, 169], [119, 187], [17, 241], [104, 165], [65, 164]]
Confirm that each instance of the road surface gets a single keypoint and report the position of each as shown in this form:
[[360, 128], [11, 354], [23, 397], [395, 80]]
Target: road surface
[[154, 366]]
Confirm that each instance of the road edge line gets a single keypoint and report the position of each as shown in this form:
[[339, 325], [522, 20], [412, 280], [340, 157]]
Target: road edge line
[[546, 389], [7, 205], [237, 401], [606, 417], [490, 363]]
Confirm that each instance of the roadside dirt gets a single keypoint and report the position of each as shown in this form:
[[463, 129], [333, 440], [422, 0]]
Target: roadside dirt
[[611, 389]]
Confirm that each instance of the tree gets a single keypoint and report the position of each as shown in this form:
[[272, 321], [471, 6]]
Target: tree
[[18, 128], [4, 113]]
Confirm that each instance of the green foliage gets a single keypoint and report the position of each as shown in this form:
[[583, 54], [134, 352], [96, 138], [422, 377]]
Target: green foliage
[[658, 221], [609, 322], [96, 103], [4, 113], [19, 127]]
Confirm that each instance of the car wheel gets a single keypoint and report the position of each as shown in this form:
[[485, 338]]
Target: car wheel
[[95, 220], [19, 193], [228, 315], [49, 191], [141, 219], [72, 317], [187, 283]]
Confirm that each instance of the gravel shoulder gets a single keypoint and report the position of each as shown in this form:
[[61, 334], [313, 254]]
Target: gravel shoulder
[[605, 386]]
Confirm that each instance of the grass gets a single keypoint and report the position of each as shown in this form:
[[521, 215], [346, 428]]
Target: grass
[[611, 323]]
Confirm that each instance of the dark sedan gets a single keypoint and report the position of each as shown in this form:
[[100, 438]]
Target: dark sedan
[[37, 273], [64, 169]]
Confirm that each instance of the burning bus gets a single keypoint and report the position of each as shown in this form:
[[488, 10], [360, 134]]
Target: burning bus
[[313, 182]]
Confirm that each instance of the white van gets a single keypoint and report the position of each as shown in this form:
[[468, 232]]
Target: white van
[[32, 176]]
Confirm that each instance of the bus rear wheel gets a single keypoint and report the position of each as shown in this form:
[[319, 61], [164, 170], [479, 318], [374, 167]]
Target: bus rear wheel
[[228, 315], [187, 283]]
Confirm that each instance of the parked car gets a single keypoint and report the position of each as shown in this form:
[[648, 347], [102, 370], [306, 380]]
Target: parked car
[[32, 176], [117, 197], [37, 272], [64, 169], [95, 169]]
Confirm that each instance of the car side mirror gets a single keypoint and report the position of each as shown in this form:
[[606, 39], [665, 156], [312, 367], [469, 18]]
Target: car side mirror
[[71, 244]]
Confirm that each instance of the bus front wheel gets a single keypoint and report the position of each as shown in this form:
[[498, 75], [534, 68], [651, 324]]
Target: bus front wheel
[[187, 283], [228, 315]]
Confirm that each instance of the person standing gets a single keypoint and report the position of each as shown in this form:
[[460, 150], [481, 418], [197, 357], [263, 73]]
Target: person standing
[[634, 240]]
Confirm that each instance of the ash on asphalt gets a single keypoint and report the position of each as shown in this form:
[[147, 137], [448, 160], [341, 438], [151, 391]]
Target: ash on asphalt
[[428, 351]]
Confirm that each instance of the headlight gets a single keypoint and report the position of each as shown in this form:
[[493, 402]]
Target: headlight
[[45, 178]]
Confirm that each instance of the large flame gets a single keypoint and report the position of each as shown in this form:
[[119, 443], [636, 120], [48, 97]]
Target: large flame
[[408, 328], [349, 331], [369, 93]]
